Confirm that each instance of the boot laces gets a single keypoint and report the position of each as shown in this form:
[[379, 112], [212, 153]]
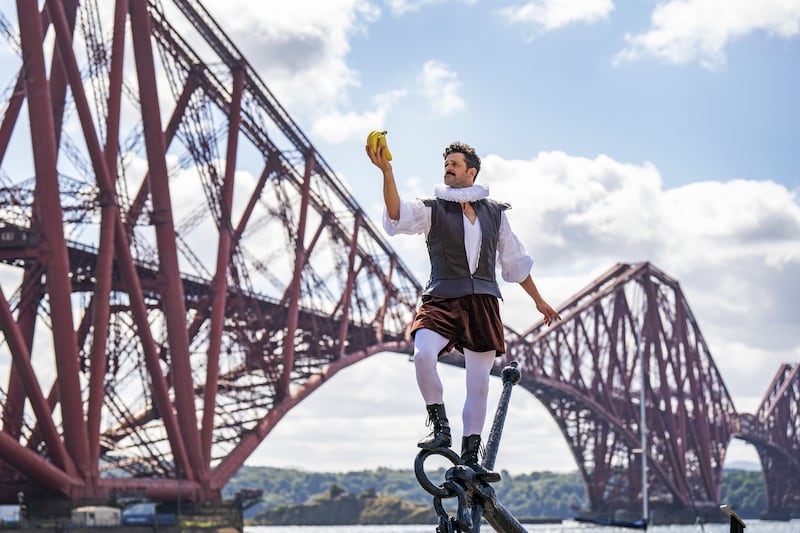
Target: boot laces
[[430, 423]]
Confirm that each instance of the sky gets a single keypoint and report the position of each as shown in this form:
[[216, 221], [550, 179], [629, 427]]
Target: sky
[[663, 131]]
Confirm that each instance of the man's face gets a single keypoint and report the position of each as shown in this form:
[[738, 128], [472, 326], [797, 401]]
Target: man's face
[[456, 173]]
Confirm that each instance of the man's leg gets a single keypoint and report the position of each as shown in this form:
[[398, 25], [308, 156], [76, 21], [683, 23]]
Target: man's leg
[[427, 345], [478, 366]]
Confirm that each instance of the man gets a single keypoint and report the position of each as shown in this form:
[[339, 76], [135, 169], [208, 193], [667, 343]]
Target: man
[[466, 233]]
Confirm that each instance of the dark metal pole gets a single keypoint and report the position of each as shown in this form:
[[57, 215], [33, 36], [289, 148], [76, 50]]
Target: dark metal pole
[[497, 515], [511, 376], [462, 482]]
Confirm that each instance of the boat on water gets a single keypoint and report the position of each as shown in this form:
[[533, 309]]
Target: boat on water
[[634, 524]]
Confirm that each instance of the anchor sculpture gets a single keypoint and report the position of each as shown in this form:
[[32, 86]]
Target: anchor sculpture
[[476, 499]]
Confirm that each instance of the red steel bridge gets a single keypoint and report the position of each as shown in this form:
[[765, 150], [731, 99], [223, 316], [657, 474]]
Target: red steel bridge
[[180, 267], [628, 344]]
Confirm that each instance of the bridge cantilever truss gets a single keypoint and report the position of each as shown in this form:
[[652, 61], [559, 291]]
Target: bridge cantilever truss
[[182, 285], [775, 432], [586, 370]]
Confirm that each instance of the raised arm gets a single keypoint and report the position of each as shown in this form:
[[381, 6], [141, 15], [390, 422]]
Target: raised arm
[[390, 195]]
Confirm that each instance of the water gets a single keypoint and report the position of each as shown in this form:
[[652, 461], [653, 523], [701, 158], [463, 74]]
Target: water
[[567, 526]]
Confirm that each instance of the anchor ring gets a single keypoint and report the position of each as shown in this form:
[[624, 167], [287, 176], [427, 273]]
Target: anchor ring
[[419, 470]]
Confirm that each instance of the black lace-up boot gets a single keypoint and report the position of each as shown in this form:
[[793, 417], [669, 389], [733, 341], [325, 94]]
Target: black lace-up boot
[[440, 436], [470, 448]]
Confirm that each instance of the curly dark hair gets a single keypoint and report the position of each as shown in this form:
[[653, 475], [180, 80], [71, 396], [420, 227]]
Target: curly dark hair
[[470, 156]]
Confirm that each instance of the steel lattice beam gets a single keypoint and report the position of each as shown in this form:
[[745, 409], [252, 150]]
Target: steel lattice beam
[[775, 432], [586, 371]]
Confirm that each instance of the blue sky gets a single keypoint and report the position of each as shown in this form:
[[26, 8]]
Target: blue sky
[[710, 98], [665, 131], [620, 131]]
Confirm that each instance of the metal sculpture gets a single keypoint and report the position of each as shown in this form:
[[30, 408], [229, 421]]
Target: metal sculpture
[[475, 498]]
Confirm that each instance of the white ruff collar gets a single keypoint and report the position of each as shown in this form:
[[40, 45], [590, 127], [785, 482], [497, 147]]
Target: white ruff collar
[[472, 193]]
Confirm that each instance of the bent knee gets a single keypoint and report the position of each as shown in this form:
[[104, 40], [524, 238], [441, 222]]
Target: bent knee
[[423, 357]]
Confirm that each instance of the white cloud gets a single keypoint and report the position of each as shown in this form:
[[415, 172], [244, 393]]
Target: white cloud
[[336, 127], [689, 30], [732, 246], [549, 15], [580, 210], [740, 363], [300, 48], [385, 416], [439, 85], [401, 7]]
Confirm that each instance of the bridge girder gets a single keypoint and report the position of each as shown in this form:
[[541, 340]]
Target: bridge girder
[[586, 370], [774, 430]]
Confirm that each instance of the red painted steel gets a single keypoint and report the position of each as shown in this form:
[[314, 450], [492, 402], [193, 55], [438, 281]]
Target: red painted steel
[[48, 220], [220, 282], [293, 290], [166, 238], [100, 306], [182, 322], [586, 371], [344, 304], [774, 430], [169, 373]]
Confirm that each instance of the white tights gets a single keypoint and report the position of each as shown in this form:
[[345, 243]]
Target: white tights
[[427, 345]]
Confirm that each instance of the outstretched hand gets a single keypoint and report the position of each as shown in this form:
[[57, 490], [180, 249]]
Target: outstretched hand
[[545, 308], [378, 157], [549, 313]]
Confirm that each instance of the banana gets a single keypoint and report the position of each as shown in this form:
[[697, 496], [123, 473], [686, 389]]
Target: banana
[[382, 140], [372, 139], [375, 138]]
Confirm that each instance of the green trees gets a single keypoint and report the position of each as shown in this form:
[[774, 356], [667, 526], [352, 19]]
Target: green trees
[[744, 491], [378, 495]]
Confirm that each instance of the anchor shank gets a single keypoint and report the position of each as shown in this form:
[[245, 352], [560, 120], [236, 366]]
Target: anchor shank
[[497, 515], [511, 376]]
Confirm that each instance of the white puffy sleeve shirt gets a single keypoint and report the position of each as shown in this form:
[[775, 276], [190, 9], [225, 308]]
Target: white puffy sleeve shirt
[[514, 260]]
